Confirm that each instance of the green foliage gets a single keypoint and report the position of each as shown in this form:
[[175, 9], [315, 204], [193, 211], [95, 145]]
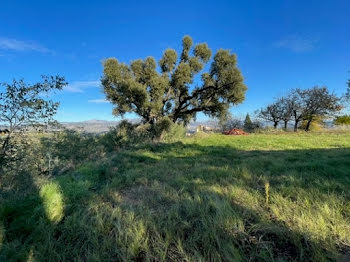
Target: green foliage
[[317, 124], [248, 124], [319, 103], [23, 106], [342, 120], [162, 96], [127, 135], [72, 147], [176, 132], [124, 135]]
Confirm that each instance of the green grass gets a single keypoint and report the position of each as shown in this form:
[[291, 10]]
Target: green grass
[[263, 197]]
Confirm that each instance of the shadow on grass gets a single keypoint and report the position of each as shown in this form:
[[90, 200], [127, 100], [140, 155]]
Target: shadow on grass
[[178, 202]]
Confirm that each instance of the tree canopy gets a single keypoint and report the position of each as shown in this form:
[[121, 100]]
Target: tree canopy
[[272, 113], [172, 90], [319, 102]]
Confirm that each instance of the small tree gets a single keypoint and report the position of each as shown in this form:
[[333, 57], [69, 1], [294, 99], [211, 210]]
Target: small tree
[[317, 124], [228, 122], [297, 98], [286, 106], [319, 103], [169, 93], [24, 106], [248, 124], [311, 104], [272, 113]]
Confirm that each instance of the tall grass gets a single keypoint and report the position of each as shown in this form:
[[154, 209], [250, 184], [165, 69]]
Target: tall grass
[[262, 197]]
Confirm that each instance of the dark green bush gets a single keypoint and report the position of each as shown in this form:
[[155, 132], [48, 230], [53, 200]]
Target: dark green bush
[[70, 148], [174, 133], [124, 135], [342, 120]]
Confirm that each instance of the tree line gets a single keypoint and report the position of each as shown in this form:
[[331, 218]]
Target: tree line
[[302, 106]]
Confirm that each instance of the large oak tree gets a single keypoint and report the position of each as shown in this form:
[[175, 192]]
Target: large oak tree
[[172, 89]]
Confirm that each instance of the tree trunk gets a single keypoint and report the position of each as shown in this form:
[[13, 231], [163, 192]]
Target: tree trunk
[[285, 124], [275, 125], [307, 128], [296, 125]]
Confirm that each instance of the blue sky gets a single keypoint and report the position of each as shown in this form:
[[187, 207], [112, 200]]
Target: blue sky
[[280, 44]]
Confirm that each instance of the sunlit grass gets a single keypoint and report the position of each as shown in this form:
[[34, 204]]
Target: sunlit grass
[[52, 201]]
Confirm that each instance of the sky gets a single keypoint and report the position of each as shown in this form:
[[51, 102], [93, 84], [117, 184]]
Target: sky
[[280, 44]]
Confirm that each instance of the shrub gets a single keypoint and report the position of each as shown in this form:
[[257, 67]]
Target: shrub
[[124, 135], [127, 135], [70, 148], [342, 120], [174, 133], [316, 125], [157, 130]]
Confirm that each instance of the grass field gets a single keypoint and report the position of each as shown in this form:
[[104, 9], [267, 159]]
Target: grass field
[[263, 197]]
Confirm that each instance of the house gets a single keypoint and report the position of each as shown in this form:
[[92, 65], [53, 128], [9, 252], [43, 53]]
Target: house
[[202, 128]]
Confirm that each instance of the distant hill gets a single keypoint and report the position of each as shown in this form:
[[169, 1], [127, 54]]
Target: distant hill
[[101, 126], [91, 126]]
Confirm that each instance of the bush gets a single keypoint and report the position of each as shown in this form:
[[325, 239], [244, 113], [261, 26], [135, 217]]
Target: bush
[[174, 133], [69, 148], [316, 125], [127, 135], [342, 120], [124, 135], [158, 130]]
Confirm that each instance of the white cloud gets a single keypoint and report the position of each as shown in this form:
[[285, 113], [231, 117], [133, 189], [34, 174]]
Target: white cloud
[[80, 86], [98, 101], [18, 45], [297, 43]]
